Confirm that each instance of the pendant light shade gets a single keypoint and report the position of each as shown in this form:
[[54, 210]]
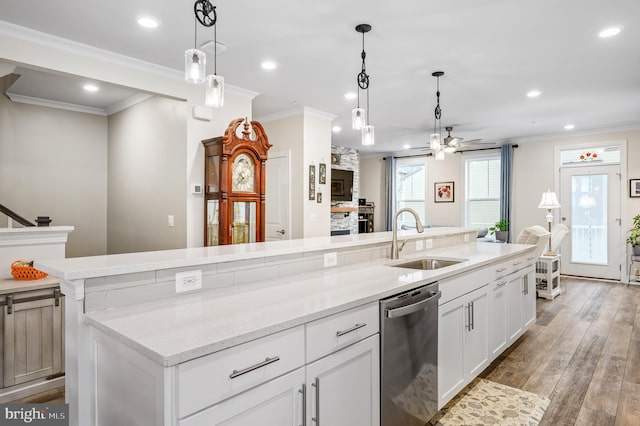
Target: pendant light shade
[[434, 141], [439, 154], [368, 135], [214, 91], [358, 118], [195, 63]]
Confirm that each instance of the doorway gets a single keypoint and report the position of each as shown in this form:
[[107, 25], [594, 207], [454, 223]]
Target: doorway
[[591, 210], [278, 194]]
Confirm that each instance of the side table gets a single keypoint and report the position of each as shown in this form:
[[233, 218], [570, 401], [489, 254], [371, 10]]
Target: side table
[[548, 276]]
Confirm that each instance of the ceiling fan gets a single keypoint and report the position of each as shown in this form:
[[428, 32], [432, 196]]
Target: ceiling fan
[[457, 142]]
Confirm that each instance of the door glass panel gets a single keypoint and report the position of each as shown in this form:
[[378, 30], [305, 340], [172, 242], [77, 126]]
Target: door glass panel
[[589, 219], [244, 222], [213, 177], [213, 219]]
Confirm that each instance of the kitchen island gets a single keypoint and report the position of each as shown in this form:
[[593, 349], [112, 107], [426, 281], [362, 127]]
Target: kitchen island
[[124, 315]]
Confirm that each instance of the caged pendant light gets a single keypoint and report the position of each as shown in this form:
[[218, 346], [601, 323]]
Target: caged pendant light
[[360, 117]]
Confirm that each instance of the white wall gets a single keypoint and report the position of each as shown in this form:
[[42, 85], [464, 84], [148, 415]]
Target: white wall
[[54, 163], [317, 149], [146, 178], [30, 48]]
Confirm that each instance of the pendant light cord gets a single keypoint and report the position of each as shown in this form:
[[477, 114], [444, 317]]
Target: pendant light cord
[[215, 49]]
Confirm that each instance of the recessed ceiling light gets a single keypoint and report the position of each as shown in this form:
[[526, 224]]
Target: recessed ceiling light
[[269, 65], [336, 129], [350, 95], [569, 127], [148, 22], [406, 146], [533, 93], [90, 87], [609, 32]]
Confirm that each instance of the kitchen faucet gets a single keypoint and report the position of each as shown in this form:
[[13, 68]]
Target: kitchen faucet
[[395, 251]]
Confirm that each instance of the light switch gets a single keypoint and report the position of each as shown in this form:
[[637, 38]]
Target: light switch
[[170, 221]]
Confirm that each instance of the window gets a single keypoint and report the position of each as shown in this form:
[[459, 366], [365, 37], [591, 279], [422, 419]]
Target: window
[[411, 178], [482, 206]]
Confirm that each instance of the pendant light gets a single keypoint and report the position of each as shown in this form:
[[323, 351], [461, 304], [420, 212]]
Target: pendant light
[[435, 143], [214, 89], [360, 117], [195, 60]]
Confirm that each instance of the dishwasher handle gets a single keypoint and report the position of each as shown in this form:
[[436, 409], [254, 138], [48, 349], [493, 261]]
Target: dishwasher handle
[[415, 307]]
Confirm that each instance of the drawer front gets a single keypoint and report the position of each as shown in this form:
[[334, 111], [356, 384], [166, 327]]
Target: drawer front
[[502, 269], [204, 381], [327, 335], [464, 283]]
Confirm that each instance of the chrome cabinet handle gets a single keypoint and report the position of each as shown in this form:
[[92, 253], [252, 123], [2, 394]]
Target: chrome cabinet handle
[[9, 303], [531, 258], [517, 263], [502, 284], [281, 232], [468, 325], [409, 309], [267, 361], [473, 315], [349, 330], [316, 384], [303, 391], [501, 269]]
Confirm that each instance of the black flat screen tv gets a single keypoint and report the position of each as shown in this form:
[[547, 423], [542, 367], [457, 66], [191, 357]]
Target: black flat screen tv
[[341, 185]]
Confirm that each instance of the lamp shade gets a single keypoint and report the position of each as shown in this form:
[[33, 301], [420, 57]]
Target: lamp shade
[[214, 91], [434, 141], [195, 63], [368, 135], [549, 200], [357, 119]]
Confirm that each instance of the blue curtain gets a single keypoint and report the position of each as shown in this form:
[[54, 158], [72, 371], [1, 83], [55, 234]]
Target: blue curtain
[[506, 183], [390, 190]]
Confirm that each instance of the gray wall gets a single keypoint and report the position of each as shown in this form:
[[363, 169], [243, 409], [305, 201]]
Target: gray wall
[[146, 177], [54, 163]]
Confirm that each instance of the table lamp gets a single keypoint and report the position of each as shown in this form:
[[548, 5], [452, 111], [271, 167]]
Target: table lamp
[[549, 201]]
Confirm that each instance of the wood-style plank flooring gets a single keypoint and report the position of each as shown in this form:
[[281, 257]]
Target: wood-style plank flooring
[[583, 354]]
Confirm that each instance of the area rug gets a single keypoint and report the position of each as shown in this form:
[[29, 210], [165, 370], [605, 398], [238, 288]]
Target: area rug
[[484, 402]]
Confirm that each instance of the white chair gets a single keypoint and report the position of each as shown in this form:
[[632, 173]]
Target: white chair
[[534, 235]]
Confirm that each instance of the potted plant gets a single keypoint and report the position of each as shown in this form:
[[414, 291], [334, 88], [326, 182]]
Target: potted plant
[[501, 229], [634, 236]]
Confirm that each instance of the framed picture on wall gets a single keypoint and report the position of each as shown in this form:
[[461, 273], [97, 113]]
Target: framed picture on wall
[[634, 187], [322, 177], [443, 192], [312, 182]]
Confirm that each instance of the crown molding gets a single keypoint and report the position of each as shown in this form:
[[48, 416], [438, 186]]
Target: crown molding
[[320, 114], [55, 104], [127, 103], [239, 91], [296, 111]]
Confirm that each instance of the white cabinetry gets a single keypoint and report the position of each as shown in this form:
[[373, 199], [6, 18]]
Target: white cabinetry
[[497, 317], [462, 342], [343, 389]]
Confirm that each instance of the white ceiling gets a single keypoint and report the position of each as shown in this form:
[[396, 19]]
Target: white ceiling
[[492, 52]]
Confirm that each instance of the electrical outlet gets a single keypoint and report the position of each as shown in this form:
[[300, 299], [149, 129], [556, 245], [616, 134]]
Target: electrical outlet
[[428, 243], [170, 221], [466, 238], [189, 280], [419, 245], [330, 259]]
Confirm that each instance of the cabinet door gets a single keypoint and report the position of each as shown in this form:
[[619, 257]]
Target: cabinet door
[[528, 298], [343, 389], [452, 321], [514, 306], [275, 403], [497, 318], [32, 340], [476, 352]]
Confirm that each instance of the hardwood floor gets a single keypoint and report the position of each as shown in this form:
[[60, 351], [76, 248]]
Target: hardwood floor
[[583, 353]]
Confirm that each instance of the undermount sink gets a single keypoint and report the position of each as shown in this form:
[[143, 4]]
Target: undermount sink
[[428, 263]]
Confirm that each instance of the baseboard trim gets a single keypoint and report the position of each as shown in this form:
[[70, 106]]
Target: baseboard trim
[[25, 390]]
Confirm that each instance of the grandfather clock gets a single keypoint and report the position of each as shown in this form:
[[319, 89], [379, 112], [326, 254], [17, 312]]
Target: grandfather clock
[[234, 189]]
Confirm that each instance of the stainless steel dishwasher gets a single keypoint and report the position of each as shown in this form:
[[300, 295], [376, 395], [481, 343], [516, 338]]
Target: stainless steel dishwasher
[[409, 357]]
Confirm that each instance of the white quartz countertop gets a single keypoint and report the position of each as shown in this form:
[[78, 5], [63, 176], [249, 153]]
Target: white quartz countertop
[[117, 264], [190, 326]]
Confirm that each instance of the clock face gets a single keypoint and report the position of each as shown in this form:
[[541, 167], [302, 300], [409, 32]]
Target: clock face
[[243, 174]]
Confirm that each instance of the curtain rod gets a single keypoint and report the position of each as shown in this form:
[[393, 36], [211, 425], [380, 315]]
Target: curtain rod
[[430, 154]]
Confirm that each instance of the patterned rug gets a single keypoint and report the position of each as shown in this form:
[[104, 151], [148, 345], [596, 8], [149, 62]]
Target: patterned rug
[[484, 402]]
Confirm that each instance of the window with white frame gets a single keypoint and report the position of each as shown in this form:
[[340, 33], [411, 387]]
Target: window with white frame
[[482, 194], [411, 184]]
